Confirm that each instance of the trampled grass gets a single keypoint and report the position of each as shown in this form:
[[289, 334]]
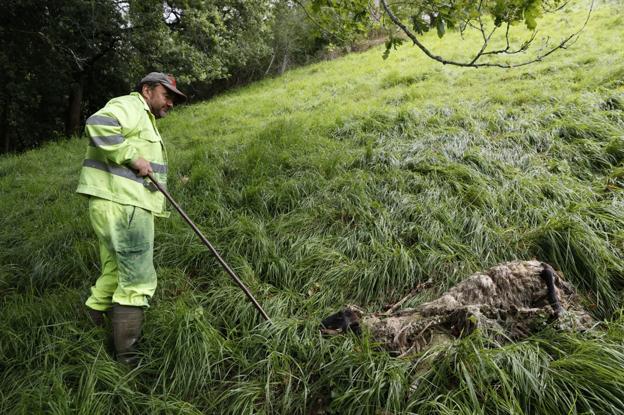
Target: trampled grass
[[345, 182]]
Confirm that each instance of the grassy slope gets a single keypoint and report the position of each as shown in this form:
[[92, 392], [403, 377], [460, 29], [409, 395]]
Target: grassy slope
[[342, 182]]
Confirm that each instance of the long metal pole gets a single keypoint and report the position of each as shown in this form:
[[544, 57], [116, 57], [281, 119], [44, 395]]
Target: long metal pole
[[209, 245]]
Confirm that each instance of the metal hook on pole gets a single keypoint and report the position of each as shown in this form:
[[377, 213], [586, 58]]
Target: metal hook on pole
[[210, 247]]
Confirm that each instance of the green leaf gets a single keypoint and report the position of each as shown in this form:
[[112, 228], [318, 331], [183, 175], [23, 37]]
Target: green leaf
[[440, 27], [419, 25]]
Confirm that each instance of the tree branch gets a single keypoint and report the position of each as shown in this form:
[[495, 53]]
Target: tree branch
[[316, 23], [507, 50], [473, 63]]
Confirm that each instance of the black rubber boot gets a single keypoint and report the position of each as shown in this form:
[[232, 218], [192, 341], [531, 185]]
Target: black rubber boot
[[127, 322], [96, 316]]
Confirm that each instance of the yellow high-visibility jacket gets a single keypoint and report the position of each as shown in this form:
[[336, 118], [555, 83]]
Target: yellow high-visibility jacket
[[120, 133]]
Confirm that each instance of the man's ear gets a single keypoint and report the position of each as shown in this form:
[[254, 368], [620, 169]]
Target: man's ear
[[146, 91]]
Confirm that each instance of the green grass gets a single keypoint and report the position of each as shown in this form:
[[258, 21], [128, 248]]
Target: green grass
[[345, 182]]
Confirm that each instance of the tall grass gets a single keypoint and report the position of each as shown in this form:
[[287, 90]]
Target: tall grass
[[346, 182]]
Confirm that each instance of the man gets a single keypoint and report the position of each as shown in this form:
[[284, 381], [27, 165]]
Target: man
[[124, 146]]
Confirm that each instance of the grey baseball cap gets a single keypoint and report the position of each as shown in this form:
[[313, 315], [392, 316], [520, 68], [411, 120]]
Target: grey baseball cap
[[166, 80]]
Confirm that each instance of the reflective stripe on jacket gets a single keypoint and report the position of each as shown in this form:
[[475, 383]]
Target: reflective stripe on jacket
[[120, 133]]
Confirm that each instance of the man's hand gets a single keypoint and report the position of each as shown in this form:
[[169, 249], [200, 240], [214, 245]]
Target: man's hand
[[141, 166]]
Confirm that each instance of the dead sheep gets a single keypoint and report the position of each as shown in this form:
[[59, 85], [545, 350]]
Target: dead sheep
[[509, 301]]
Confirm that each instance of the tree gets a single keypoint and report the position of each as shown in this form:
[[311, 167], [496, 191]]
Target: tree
[[295, 40], [63, 59], [50, 50], [230, 38], [488, 17]]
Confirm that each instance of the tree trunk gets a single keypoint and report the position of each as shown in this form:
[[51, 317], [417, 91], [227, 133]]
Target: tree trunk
[[284, 64], [270, 63], [72, 123], [5, 139], [375, 11]]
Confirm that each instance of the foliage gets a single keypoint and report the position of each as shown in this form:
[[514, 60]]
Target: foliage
[[295, 39], [200, 41], [355, 15], [47, 48], [63, 60], [338, 183], [414, 18], [342, 21]]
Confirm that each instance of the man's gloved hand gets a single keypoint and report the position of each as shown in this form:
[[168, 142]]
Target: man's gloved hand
[[141, 166]]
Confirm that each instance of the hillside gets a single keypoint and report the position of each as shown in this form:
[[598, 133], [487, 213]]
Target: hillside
[[344, 182]]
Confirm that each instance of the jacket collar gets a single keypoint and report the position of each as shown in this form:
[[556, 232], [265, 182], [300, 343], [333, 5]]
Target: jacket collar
[[145, 106]]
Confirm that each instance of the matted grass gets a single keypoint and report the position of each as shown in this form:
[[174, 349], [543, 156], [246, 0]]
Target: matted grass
[[343, 182]]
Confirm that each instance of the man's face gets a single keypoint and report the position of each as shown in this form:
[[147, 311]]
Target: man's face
[[159, 99]]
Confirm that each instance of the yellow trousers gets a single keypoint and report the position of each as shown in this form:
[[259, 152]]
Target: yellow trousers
[[126, 237]]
